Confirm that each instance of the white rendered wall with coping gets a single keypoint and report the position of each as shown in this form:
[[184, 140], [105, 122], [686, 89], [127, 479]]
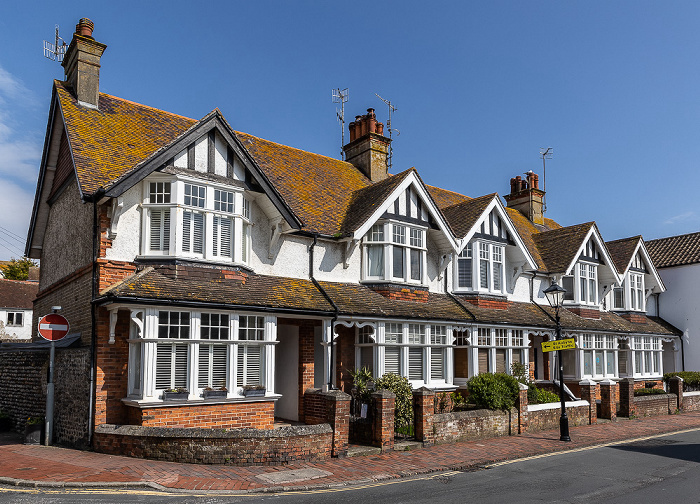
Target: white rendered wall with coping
[[679, 306]]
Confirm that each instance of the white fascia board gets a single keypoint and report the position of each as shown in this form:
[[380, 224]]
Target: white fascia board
[[641, 248], [609, 263], [498, 205], [410, 179]]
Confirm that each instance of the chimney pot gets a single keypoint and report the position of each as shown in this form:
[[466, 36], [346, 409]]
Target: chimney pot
[[380, 128], [513, 186], [84, 27]]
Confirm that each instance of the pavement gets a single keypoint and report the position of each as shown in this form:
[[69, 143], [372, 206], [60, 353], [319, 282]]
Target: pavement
[[49, 466]]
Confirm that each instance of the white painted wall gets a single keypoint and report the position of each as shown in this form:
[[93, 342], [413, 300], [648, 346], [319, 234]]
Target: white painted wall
[[126, 244], [679, 306], [16, 332]]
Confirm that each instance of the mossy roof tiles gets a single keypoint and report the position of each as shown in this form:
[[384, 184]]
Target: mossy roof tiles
[[462, 216], [621, 251], [558, 247], [675, 250], [444, 198]]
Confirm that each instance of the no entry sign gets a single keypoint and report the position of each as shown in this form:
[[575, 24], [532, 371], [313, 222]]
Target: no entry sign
[[53, 327]]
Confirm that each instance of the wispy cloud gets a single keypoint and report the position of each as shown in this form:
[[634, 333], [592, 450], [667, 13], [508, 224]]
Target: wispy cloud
[[20, 152], [682, 218]]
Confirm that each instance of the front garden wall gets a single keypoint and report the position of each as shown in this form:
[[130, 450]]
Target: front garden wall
[[691, 401], [474, 424], [547, 417], [241, 447], [661, 404]]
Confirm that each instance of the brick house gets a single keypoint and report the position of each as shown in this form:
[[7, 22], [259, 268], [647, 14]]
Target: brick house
[[193, 257]]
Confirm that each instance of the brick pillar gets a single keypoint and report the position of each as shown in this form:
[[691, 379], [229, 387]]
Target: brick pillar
[[338, 411], [383, 431], [522, 408], [423, 410], [608, 407], [675, 386], [587, 391], [627, 408], [306, 361]]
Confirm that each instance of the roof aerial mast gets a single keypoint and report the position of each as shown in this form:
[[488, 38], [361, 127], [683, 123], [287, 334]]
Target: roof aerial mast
[[341, 96], [392, 109], [545, 154], [57, 50]]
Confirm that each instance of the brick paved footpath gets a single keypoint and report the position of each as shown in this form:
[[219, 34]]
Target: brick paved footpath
[[51, 466]]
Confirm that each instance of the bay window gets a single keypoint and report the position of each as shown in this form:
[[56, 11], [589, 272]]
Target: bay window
[[646, 356], [630, 296], [488, 268], [200, 221], [599, 356], [582, 285], [171, 349], [497, 349], [395, 252]]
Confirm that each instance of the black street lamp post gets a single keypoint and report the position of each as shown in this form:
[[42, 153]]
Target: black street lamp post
[[555, 297]]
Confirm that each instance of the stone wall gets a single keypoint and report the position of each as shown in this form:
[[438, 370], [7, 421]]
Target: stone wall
[[24, 375], [546, 416], [661, 404], [242, 447]]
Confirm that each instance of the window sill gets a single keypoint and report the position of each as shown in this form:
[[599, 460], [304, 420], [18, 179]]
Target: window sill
[[158, 403]]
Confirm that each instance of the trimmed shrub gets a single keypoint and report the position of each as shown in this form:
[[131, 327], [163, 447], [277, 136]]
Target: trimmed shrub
[[494, 391], [691, 379], [540, 396], [403, 406], [648, 391]]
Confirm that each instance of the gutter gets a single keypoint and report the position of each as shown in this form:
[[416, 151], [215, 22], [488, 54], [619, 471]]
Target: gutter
[[335, 309]]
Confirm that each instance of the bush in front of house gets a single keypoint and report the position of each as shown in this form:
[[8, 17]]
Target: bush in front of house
[[403, 406], [542, 396], [521, 372], [691, 379], [648, 391], [494, 391]]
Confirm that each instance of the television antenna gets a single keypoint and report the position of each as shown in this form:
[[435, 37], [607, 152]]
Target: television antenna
[[341, 96], [545, 154], [57, 50], [391, 130]]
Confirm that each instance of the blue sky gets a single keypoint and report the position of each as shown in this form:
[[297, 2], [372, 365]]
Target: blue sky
[[479, 88]]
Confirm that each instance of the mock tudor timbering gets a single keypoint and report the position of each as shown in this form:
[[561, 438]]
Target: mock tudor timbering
[[233, 274]]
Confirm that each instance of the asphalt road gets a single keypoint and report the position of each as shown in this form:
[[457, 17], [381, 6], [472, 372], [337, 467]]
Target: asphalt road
[[661, 469]]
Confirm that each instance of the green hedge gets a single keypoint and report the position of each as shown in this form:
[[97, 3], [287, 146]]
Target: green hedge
[[540, 396], [648, 391], [494, 391], [691, 379], [403, 406]]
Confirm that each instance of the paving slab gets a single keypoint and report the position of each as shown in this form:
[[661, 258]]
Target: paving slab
[[48, 466]]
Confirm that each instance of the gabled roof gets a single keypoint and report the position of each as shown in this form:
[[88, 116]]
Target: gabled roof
[[108, 142], [622, 251], [675, 250], [17, 294], [559, 247], [463, 215], [444, 198], [364, 202]]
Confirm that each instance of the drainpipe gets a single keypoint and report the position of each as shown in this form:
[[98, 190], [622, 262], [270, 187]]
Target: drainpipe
[[335, 309], [93, 322]]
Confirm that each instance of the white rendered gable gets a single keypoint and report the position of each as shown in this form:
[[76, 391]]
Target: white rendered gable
[[607, 274]]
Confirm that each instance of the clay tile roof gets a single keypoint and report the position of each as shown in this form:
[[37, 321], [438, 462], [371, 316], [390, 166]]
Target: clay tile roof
[[17, 294], [444, 198], [462, 216], [108, 142], [675, 250], [558, 247], [359, 300], [317, 188], [527, 230], [196, 285], [621, 251], [364, 202]]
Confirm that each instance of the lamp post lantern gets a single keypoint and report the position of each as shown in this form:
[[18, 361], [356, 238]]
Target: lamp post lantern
[[555, 297]]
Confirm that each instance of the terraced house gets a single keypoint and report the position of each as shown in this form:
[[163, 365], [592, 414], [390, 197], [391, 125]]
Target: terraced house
[[192, 257]]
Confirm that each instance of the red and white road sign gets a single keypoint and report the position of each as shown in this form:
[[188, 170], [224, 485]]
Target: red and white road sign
[[53, 327]]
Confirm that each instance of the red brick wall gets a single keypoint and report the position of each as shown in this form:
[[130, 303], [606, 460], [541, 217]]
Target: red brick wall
[[486, 302], [585, 312], [401, 293], [635, 317], [111, 366], [662, 404], [253, 415]]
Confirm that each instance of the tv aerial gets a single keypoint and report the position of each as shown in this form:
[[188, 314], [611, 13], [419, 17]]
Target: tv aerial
[[545, 153], [391, 130], [57, 50], [341, 96]]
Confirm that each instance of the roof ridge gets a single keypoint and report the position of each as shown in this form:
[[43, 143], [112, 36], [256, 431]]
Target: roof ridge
[[472, 200], [450, 191], [625, 239], [674, 236]]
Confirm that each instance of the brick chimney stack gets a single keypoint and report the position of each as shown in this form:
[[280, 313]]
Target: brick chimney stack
[[82, 64], [368, 148], [527, 197]]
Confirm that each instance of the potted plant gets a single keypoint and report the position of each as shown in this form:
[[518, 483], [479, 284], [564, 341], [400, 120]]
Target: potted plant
[[209, 392], [176, 394], [34, 430], [254, 390]]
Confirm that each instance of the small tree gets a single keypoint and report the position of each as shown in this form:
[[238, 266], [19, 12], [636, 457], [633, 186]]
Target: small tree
[[18, 269]]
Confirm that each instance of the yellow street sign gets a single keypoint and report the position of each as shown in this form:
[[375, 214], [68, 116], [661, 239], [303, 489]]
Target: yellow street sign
[[563, 344]]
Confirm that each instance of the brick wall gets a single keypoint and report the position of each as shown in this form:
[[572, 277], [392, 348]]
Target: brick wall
[[253, 415], [585, 312], [243, 447], [344, 357], [23, 391], [402, 293], [544, 419], [661, 404], [691, 402], [488, 302], [306, 356], [474, 424], [332, 408], [111, 369]]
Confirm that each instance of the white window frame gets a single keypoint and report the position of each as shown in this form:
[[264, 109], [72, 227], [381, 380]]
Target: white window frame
[[235, 208], [493, 254], [490, 339], [601, 348], [395, 237], [12, 319], [646, 356], [585, 280]]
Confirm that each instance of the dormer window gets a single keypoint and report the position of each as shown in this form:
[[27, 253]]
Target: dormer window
[[582, 286], [630, 296], [488, 269], [395, 252], [197, 220]]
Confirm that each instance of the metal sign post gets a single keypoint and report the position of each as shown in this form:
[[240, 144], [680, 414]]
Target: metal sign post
[[52, 327]]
